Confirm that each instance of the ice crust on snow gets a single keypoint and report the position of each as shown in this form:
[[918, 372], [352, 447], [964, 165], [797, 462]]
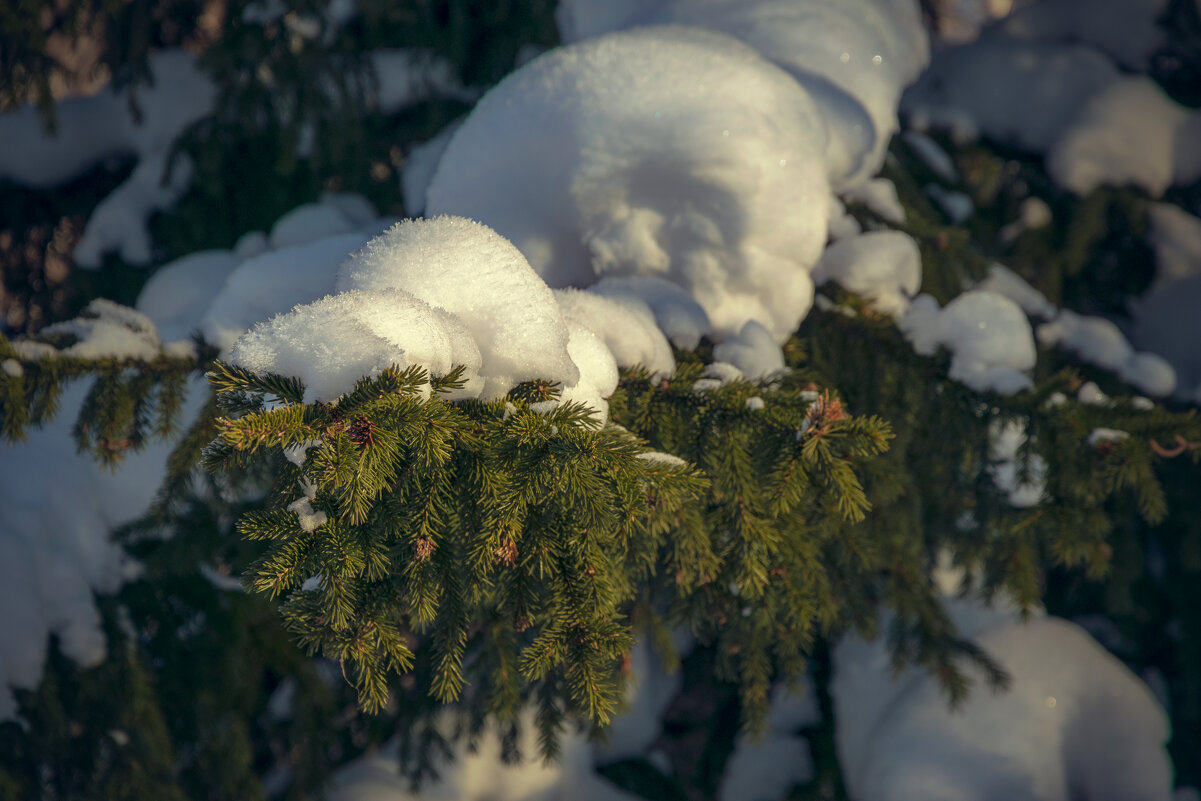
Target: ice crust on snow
[[666, 152], [884, 267], [1076, 723], [988, 335]]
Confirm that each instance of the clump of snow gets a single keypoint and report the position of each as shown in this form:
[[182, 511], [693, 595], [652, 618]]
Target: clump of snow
[[1005, 439], [932, 155], [1091, 395], [1127, 30], [1126, 134], [678, 316], [1164, 322], [625, 324], [1017, 92], [988, 335], [118, 223], [470, 271], [274, 282], [1100, 435], [310, 519], [596, 367], [55, 550], [178, 293], [842, 224], [753, 351], [1033, 214], [854, 58], [1100, 342], [1003, 281], [331, 343], [480, 774], [108, 330], [883, 266], [1176, 236], [879, 195], [955, 205], [1076, 723], [666, 152]]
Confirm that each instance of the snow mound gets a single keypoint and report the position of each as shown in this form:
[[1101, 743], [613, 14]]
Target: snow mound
[[472, 272], [1003, 281], [1165, 323], [753, 351], [884, 267], [178, 293], [678, 316], [1176, 237], [665, 152], [1127, 30], [988, 335], [1076, 723]]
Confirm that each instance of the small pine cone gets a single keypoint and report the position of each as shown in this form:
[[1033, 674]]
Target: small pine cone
[[362, 432], [424, 546], [506, 552]]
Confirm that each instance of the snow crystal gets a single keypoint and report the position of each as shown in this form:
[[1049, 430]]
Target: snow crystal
[[272, 283], [1004, 441], [331, 343], [884, 267], [625, 324], [1100, 342], [669, 152], [472, 272], [988, 335], [752, 351], [1003, 281], [678, 316], [1075, 722]]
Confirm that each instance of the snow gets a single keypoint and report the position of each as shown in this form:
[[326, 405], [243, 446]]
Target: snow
[[273, 283], [1017, 92], [879, 195], [932, 155], [665, 152], [59, 507], [1074, 724], [179, 292], [885, 267], [106, 330], [1165, 323], [331, 343], [118, 223], [310, 519], [853, 58], [1176, 237], [678, 316], [480, 774], [650, 688], [1126, 134], [596, 367], [625, 324], [988, 335], [1100, 435], [753, 351], [1003, 281], [470, 271], [1004, 441], [1100, 342], [308, 223], [1126, 30]]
